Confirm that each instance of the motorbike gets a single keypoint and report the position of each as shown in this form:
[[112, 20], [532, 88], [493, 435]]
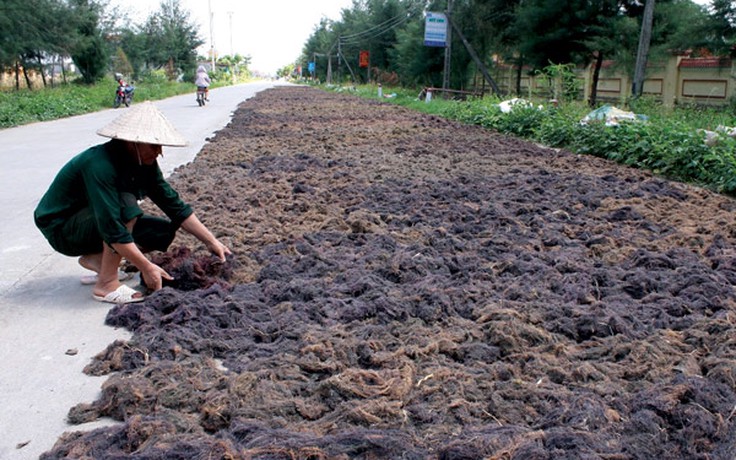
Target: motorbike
[[201, 93], [124, 95]]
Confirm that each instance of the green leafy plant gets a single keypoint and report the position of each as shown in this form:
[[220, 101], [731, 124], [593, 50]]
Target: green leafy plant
[[563, 82]]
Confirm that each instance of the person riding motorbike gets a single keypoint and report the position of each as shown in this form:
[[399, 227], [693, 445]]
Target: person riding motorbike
[[124, 93], [203, 82]]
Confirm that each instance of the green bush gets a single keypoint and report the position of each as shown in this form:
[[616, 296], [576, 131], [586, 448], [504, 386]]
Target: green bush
[[21, 107], [522, 121], [560, 129]]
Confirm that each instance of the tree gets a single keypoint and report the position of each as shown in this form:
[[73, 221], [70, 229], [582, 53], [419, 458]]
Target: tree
[[495, 22], [371, 25], [680, 27], [554, 31], [534, 33], [121, 63], [609, 37], [721, 28], [170, 39], [89, 49], [132, 42], [30, 31], [234, 65]]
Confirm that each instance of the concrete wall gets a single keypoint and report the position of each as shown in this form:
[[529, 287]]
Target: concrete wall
[[678, 80]]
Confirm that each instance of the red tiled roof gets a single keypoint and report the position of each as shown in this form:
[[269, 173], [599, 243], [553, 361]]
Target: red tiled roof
[[703, 63]]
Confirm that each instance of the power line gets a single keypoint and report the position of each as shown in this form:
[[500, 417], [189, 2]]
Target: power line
[[396, 19], [377, 30], [368, 34], [373, 35]]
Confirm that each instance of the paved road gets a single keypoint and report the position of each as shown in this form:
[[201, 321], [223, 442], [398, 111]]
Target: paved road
[[44, 311]]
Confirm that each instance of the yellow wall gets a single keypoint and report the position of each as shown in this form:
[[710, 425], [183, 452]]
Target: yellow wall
[[679, 80]]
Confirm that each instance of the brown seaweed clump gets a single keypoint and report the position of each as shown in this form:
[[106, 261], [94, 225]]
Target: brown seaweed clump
[[411, 288], [190, 272]]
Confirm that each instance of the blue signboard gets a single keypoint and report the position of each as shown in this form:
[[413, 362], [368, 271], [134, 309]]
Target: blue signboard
[[435, 30], [310, 67]]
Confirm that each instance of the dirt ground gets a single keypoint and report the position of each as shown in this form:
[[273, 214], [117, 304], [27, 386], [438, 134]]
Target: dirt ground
[[408, 287]]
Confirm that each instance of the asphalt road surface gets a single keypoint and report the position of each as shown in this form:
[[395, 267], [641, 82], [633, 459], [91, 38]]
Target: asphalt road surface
[[50, 327]]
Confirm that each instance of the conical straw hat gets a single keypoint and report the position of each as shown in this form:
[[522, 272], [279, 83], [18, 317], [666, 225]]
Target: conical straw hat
[[143, 123]]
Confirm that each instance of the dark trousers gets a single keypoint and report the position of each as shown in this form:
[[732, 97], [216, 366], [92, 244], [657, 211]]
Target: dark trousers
[[79, 235]]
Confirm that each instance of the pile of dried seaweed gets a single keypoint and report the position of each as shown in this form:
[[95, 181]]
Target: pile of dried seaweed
[[407, 287]]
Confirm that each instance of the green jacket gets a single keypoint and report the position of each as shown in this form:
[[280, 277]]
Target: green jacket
[[95, 178]]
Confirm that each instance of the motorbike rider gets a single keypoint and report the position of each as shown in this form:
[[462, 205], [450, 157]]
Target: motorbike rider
[[203, 81], [124, 89]]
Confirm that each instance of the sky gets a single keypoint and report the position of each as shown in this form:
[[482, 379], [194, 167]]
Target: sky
[[271, 32]]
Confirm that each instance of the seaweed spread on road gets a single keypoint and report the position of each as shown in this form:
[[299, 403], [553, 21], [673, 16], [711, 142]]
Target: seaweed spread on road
[[403, 286]]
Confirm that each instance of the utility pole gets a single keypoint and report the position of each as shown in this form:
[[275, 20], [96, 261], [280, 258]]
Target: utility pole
[[339, 55], [233, 64], [329, 69], [642, 53], [448, 51], [212, 40], [482, 67], [230, 17]]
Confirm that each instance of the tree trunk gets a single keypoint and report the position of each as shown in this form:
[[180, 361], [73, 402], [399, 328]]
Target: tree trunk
[[519, 67], [63, 71], [28, 79], [596, 76], [40, 69], [642, 54]]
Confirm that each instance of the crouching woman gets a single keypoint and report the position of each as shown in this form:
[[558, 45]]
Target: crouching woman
[[91, 209]]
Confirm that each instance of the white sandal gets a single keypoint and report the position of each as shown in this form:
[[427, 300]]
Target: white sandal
[[121, 295]]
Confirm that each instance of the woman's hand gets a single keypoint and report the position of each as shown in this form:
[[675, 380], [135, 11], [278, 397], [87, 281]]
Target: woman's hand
[[219, 249], [153, 276], [193, 225]]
